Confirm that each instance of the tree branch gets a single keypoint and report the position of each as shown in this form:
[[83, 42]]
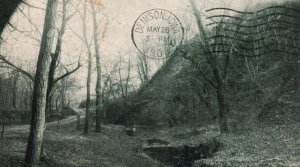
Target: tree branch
[[16, 68], [67, 74], [32, 6], [195, 63]]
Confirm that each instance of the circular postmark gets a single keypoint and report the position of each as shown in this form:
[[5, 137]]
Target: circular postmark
[[157, 33]]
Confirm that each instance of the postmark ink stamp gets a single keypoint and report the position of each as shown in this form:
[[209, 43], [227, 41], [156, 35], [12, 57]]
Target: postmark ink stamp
[[157, 33]]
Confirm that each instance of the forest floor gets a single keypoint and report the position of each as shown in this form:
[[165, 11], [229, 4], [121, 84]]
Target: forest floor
[[258, 146], [67, 147]]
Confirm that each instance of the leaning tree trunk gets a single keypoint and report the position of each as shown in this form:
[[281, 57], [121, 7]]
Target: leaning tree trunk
[[7, 9], [213, 62], [38, 105]]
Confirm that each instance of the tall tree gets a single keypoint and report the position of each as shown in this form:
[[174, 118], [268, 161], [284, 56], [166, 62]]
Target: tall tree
[[89, 73], [98, 67], [38, 106], [54, 58], [108, 88], [124, 88], [88, 95], [218, 75]]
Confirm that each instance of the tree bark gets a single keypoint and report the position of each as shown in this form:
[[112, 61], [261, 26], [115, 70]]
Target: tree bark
[[38, 106], [55, 56], [7, 9], [212, 61], [3, 124], [15, 89], [88, 96], [78, 122], [88, 81], [223, 114], [98, 67]]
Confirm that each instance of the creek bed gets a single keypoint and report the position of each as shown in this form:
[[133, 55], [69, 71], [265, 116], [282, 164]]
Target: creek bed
[[180, 155]]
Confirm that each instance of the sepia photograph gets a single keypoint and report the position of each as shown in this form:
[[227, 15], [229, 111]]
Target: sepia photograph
[[149, 83]]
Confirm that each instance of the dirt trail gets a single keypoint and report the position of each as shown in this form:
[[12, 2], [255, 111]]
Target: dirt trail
[[70, 119]]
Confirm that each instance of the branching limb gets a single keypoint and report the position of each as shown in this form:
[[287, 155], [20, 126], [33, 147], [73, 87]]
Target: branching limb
[[10, 64], [67, 73]]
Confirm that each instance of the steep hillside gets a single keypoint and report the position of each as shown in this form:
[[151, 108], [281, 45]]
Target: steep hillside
[[263, 73]]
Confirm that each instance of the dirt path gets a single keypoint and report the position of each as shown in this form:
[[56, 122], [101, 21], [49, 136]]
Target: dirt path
[[70, 119]]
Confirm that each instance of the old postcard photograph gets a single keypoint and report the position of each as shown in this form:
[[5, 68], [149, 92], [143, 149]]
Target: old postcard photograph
[[149, 83]]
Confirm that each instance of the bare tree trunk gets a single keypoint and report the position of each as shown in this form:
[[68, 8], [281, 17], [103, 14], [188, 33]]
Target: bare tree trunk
[[3, 128], [55, 56], [38, 106], [88, 81], [212, 61], [98, 67], [56, 102], [7, 9], [124, 87], [63, 93], [78, 122], [15, 89], [88, 96], [25, 98], [223, 113], [1, 94], [21, 98]]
